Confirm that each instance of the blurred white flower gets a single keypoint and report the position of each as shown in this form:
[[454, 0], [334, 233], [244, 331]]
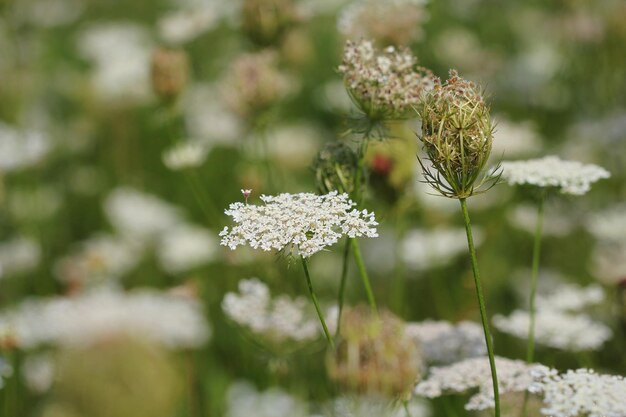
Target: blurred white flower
[[571, 298], [38, 372], [608, 262], [50, 13], [187, 23], [443, 342], [186, 247], [137, 215], [425, 249], [186, 154], [279, 319], [243, 400], [99, 259], [580, 392], [513, 376], [120, 53], [306, 221], [208, 118], [293, 146], [514, 139], [556, 329], [369, 406], [19, 255], [608, 225], [21, 148], [34, 204], [569, 177], [173, 321], [556, 223]]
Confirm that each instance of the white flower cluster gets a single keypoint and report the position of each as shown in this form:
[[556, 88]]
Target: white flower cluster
[[307, 221], [243, 400], [514, 139], [120, 52], [21, 148], [174, 321], [555, 222], [557, 329], [580, 392], [139, 215], [189, 20], [18, 255], [186, 247], [443, 342], [570, 177], [608, 262], [187, 154], [386, 83], [371, 406], [609, 225], [425, 249], [571, 297], [277, 319], [513, 376]]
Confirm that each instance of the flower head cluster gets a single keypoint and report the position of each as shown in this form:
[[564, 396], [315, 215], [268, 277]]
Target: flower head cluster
[[580, 392], [335, 168], [609, 225], [392, 22], [374, 406], [557, 329], [243, 400], [254, 83], [422, 250], [18, 255], [571, 297], [307, 221], [187, 154], [457, 134], [172, 321], [513, 376], [383, 85], [374, 355], [21, 149], [443, 342], [276, 320], [265, 21], [569, 177]]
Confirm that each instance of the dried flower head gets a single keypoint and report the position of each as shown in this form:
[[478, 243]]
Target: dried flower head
[[513, 376], [383, 85], [266, 21], [580, 392], [254, 83], [374, 355], [170, 72], [569, 177], [391, 22], [457, 134], [335, 168], [305, 221]]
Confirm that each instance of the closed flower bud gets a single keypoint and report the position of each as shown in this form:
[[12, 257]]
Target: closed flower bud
[[457, 134], [335, 168], [170, 72], [265, 21], [374, 356]]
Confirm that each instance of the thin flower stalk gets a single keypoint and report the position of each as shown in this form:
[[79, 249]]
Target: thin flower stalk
[[316, 303], [481, 304]]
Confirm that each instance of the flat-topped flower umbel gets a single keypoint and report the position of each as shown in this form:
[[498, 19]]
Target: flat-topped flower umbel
[[307, 221], [569, 177]]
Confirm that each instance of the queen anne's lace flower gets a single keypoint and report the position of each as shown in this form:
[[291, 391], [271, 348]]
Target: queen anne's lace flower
[[279, 319], [443, 342], [571, 297], [187, 154], [386, 84], [570, 177], [557, 329], [307, 221], [580, 392], [513, 376], [172, 321]]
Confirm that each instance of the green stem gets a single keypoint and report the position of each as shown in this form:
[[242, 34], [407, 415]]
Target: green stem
[[342, 284], [314, 298], [533, 281], [481, 304], [363, 272]]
